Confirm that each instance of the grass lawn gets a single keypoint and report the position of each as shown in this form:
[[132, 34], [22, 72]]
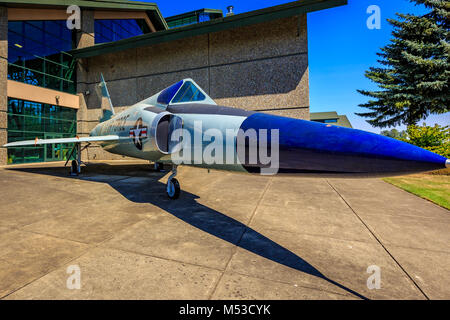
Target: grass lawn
[[435, 188]]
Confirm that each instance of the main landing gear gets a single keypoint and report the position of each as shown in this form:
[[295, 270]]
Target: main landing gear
[[74, 171], [158, 166], [75, 165], [173, 186]]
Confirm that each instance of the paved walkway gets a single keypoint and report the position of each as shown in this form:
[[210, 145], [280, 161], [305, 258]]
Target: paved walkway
[[229, 236]]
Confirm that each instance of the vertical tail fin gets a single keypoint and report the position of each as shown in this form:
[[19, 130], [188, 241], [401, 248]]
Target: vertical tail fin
[[106, 104]]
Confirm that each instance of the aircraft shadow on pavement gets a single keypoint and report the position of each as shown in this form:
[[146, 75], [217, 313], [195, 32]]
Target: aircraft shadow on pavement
[[138, 183]]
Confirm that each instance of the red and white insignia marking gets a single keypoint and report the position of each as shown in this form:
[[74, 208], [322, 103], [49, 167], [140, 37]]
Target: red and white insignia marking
[[138, 133]]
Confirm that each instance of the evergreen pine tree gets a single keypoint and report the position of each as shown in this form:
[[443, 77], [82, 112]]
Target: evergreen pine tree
[[415, 73]]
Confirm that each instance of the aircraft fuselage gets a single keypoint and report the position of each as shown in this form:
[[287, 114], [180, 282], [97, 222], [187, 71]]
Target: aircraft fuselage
[[302, 147]]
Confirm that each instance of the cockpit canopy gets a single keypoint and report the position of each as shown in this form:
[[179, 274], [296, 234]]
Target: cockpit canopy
[[184, 91], [189, 92]]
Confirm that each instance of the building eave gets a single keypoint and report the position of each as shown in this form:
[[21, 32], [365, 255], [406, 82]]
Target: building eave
[[98, 4], [190, 13], [220, 24], [151, 9]]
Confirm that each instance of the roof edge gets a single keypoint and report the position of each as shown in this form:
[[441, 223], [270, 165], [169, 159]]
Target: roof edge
[[100, 4], [194, 12], [219, 24], [151, 9]]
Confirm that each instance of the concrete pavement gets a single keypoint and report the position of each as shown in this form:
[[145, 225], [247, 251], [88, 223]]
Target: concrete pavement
[[229, 236]]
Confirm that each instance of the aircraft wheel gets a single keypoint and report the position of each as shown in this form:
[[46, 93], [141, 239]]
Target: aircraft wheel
[[74, 168], [159, 166], [173, 189]]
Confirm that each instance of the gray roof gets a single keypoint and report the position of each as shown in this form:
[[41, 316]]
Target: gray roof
[[342, 119]]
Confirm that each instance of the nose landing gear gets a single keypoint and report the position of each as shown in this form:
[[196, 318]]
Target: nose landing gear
[[173, 186]]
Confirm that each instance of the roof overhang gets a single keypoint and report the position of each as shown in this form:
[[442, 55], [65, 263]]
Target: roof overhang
[[151, 9], [217, 12], [239, 20], [323, 115]]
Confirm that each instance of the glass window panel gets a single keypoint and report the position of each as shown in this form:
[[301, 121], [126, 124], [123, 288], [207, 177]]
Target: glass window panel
[[203, 17], [29, 120], [15, 155], [69, 87], [33, 77], [33, 154], [15, 122], [37, 55], [14, 106], [15, 73], [15, 26], [67, 126], [35, 64], [113, 30]]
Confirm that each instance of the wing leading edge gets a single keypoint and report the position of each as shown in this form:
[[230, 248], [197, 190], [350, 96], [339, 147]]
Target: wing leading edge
[[62, 140]]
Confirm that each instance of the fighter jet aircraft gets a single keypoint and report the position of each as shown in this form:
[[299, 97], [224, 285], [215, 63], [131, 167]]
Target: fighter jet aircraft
[[182, 125]]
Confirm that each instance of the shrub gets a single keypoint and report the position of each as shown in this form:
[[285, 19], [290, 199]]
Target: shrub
[[435, 139]]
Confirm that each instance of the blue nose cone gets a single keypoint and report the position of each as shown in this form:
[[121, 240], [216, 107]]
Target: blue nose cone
[[315, 148]]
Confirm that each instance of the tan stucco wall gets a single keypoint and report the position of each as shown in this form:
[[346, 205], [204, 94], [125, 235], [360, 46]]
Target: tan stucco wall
[[24, 91], [260, 67]]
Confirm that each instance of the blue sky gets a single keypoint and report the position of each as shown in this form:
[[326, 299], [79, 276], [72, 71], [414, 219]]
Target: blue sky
[[341, 48]]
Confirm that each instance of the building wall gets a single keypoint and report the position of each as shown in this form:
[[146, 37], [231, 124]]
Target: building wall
[[260, 67], [3, 82]]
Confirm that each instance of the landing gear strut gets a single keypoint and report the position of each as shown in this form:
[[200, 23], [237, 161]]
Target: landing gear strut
[[75, 166], [173, 186]]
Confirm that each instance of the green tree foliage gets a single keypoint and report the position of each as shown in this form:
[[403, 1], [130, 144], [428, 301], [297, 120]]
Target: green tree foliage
[[394, 133], [435, 139], [414, 75]]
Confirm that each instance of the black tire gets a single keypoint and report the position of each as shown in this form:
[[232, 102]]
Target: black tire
[[159, 166], [74, 167], [176, 191]]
